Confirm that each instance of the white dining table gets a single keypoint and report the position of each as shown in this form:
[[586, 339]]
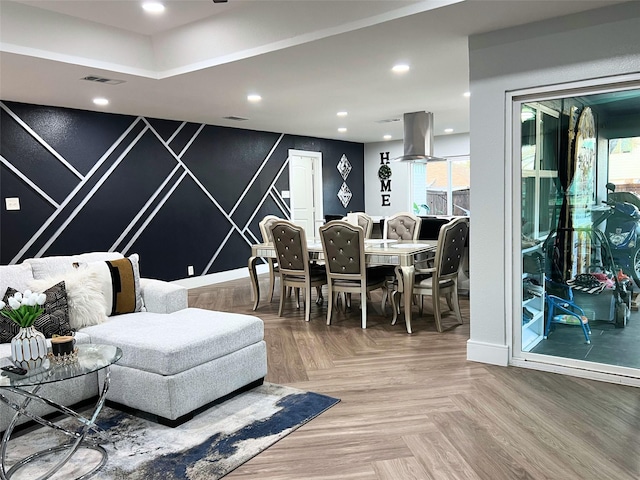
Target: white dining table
[[399, 253]]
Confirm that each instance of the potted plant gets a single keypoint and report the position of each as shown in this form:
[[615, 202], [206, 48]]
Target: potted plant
[[29, 346]]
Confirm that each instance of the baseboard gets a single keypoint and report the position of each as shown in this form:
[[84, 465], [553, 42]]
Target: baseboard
[[212, 278], [487, 353]]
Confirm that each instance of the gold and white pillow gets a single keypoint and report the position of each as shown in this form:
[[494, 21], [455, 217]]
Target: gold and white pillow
[[120, 284]]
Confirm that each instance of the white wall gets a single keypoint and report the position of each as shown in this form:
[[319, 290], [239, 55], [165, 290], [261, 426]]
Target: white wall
[[599, 43], [443, 146], [27, 30]]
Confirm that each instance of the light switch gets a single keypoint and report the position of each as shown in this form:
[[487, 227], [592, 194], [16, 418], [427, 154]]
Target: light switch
[[12, 203], [286, 194]]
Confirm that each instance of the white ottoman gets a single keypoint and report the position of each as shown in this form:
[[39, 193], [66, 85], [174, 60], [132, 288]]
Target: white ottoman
[[174, 364]]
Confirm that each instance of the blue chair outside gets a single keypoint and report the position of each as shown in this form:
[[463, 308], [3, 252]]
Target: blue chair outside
[[565, 311]]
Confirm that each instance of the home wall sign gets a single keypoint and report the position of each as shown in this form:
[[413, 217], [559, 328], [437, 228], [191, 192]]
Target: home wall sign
[[384, 174]]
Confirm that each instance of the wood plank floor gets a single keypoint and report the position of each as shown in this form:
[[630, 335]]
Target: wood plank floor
[[413, 407]]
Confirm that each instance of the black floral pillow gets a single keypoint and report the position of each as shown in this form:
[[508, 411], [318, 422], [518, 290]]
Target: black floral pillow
[[54, 319]]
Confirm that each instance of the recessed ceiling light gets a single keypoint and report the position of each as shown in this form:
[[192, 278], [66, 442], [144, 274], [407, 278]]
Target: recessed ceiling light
[[448, 130], [101, 101], [254, 98], [400, 68], [467, 94], [342, 129], [342, 114], [153, 7], [387, 137]]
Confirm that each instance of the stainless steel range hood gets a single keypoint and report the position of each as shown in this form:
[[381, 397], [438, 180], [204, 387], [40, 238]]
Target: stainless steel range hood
[[418, 138]]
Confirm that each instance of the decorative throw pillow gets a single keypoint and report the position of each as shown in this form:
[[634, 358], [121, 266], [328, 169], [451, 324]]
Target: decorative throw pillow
[[47, 267], [15, 276], [120, 284], [53, 321], [84, 296]]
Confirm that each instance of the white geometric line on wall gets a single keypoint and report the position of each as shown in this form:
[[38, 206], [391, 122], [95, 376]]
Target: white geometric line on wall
[[195, 178], [255, 176], [275, 194], [217, 252], [344, 195], [173, 135], [165, 143], [228, 216], [265, 195], [144, 209], [41, 141], [178, 158], [151, 216], [197, 181], [91, 193], [253, 237], [248, 236], [279, 201], [73, 193], [242, 231], [26, 180], [191, 140], [344, 167]]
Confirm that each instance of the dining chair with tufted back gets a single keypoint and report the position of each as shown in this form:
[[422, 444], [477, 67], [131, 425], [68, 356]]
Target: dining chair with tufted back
[[364, 221], [343, 248], [265, 230], [442, 277], [402, 226], [294, 267]]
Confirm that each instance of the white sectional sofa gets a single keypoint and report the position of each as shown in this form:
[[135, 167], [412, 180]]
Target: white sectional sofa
[[175, 359]]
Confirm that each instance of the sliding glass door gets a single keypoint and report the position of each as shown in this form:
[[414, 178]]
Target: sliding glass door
[[574, 288]]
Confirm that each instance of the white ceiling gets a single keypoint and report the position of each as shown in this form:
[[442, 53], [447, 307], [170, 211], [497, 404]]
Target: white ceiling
[[307, 59]]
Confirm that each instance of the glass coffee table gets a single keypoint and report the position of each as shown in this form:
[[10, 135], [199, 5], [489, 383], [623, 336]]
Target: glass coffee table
[[90, 358]]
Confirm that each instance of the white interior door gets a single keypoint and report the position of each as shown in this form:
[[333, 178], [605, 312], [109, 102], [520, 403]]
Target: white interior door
[[305, 185]]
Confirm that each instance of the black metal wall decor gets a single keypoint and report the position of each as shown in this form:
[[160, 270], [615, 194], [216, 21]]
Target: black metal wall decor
[[178, 193]]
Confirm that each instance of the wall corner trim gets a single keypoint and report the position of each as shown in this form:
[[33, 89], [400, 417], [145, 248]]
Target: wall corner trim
[[488, 353]]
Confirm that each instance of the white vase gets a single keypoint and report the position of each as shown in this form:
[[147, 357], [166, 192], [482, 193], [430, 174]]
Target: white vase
[[28, 348]]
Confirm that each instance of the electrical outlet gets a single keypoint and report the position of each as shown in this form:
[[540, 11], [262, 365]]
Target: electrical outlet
[[190, 270], [12, 203]]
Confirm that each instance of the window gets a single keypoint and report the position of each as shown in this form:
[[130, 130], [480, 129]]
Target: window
[[624, 164], [442, 188], [540, 144]]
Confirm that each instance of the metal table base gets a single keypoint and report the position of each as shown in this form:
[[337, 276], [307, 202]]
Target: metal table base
[[69, 448]]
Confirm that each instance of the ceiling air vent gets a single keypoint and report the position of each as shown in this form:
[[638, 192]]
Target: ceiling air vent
[[388, 120], [237, 119], [108, 81]]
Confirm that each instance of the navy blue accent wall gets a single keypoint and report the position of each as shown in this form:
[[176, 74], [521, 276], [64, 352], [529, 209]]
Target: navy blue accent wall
[[177, 193]]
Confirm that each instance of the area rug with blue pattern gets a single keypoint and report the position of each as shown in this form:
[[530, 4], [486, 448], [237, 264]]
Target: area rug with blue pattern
[[207, 447]]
